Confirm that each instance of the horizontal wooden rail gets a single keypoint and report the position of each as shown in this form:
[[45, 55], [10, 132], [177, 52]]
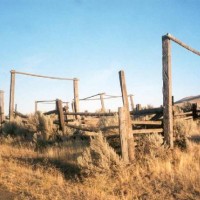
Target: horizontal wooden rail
[[112, 96], [95, 99], [146, 122], [87, 98], [147, 111], [158, 130], [187, 118], [135, 113], [82, 113], [68, 120], [20, 114], [183, 114], [91, 114], [171, 37], [91, 129], [41, 76], [45, 101], [51, 112]]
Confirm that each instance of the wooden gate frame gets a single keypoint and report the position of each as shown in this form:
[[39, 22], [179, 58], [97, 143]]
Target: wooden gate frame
[[12, 89], [167, 85]]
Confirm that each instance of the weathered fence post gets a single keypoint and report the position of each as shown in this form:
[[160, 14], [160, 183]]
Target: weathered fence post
[[132, 102], [123, 134], [76, 97], [131, 145], [167, 91], [60, 115], [12, 94], [172, 101], [66, 110], [72, 105], [194, 111], [102, 102], [2, 106], [36, 106], [15, 110], [138, 107]]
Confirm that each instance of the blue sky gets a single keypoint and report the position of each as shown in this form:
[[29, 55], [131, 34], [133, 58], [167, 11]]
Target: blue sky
[[92, 40]]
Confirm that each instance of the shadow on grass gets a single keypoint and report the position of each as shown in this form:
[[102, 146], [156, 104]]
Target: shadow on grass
[[69, 170], [195, 138], [6, 194]]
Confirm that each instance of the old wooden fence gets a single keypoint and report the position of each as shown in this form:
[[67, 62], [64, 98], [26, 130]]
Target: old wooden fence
[[131, 121]]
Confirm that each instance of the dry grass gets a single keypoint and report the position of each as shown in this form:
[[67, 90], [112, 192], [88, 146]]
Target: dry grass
[[90, 169]]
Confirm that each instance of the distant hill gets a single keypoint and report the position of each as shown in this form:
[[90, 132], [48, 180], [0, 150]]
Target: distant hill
[[190, 99]]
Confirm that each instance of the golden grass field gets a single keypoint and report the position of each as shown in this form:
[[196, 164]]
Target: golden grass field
[[89, 170]]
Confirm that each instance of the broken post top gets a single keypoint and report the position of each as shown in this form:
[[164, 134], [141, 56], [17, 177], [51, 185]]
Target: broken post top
[[171, 37], [12, 71], [123, 89]]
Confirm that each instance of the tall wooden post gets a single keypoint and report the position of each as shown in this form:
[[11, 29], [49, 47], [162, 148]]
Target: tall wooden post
[[76, 97], [123, 89], [72, 106], [102, 102], [138, 107], [65, 111], [12, 95], [2, 114], [131, 145], [132, 102], [36, 104], [194, 111], [60, 115], [167, 91], [123, 134], [15, 108]]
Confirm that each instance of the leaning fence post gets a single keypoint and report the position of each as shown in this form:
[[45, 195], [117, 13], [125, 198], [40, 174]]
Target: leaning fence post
[[60, 115], [131, 146], [76, 97], [12, 94], [123, 134], [167, 91], [2, 106]]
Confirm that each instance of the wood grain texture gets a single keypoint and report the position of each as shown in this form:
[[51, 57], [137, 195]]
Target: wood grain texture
[[171, 37], [12, 95], [167, 92], [146, 122], [158, 130], [102, 103], [76, 97], [131, 144], [123, 134], [42, 76], [60, 115], [2, 106]]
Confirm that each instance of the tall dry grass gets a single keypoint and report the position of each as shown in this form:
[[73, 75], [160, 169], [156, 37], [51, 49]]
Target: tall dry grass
[[90, 169]]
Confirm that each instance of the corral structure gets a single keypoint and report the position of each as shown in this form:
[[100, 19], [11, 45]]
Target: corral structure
[[132, 122]]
